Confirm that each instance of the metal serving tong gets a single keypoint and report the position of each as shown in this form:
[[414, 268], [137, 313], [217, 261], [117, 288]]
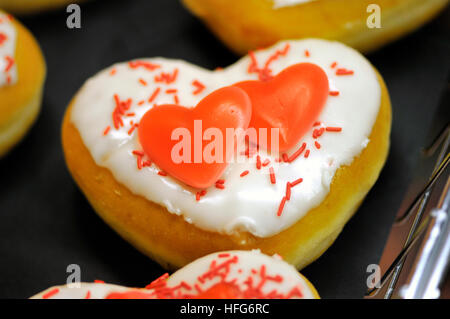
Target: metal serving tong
[[417, 252]]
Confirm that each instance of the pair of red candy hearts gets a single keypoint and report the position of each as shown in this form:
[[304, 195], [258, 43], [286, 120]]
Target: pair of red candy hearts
[[291, 102]]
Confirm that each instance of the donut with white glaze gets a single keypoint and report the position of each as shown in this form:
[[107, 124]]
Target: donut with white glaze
[[362, 24], [293, 203], [22, 76], [224, 275]]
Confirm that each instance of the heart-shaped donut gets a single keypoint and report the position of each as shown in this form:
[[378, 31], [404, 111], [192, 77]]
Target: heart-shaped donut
[[291, 102], [222, 275], [294, 202], [223, 109]]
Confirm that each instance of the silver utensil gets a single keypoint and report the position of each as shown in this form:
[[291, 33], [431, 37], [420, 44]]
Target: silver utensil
[[417, 253]]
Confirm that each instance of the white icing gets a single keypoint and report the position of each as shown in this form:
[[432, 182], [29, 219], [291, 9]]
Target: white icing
[[8, 74], [238, 273], [81, 290], [288, 3], [247, 203]]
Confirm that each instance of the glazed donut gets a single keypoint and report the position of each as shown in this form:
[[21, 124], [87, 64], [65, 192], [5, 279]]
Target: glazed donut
[[223, 275], [343, 20], [32, 6], [22, 75], [293, 203]]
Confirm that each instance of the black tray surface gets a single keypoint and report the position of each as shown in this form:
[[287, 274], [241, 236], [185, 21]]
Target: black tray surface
[[47, 224]]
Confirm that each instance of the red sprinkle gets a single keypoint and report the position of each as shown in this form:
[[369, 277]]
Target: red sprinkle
[[119, 111], [288, 191], [113, 71], [138, 153], [244, 173], [139, 163], [317, 123], [307, 53], [276, 55], [160, 281], [296, 182], [333, 129], [97, 281], [273, 179], [199, 87], [223, 255], [88, 295], [318, 132], [176, 100], [9, 63], [171, 91], [154, 95], [161, 173], [50, 293], [281, 207], [146, 163], [106, 130], [307, 154], [295, 292], [265, 73], [167, 77], [220, 186], [343, 71], [317, 144], [334, 93], [220, 181], [333, 65], [147, 65], [266, 162], [258, 162], [3, 38], [142, 81], [297, 153], [130, 131]]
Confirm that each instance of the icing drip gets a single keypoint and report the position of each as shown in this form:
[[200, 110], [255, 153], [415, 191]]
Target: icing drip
[[260, 194]]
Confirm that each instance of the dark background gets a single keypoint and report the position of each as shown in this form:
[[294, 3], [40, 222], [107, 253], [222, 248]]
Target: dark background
[[46, 223]]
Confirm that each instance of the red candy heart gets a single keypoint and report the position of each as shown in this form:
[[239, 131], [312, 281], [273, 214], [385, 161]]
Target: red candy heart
[[228, 107], [291, 101]]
